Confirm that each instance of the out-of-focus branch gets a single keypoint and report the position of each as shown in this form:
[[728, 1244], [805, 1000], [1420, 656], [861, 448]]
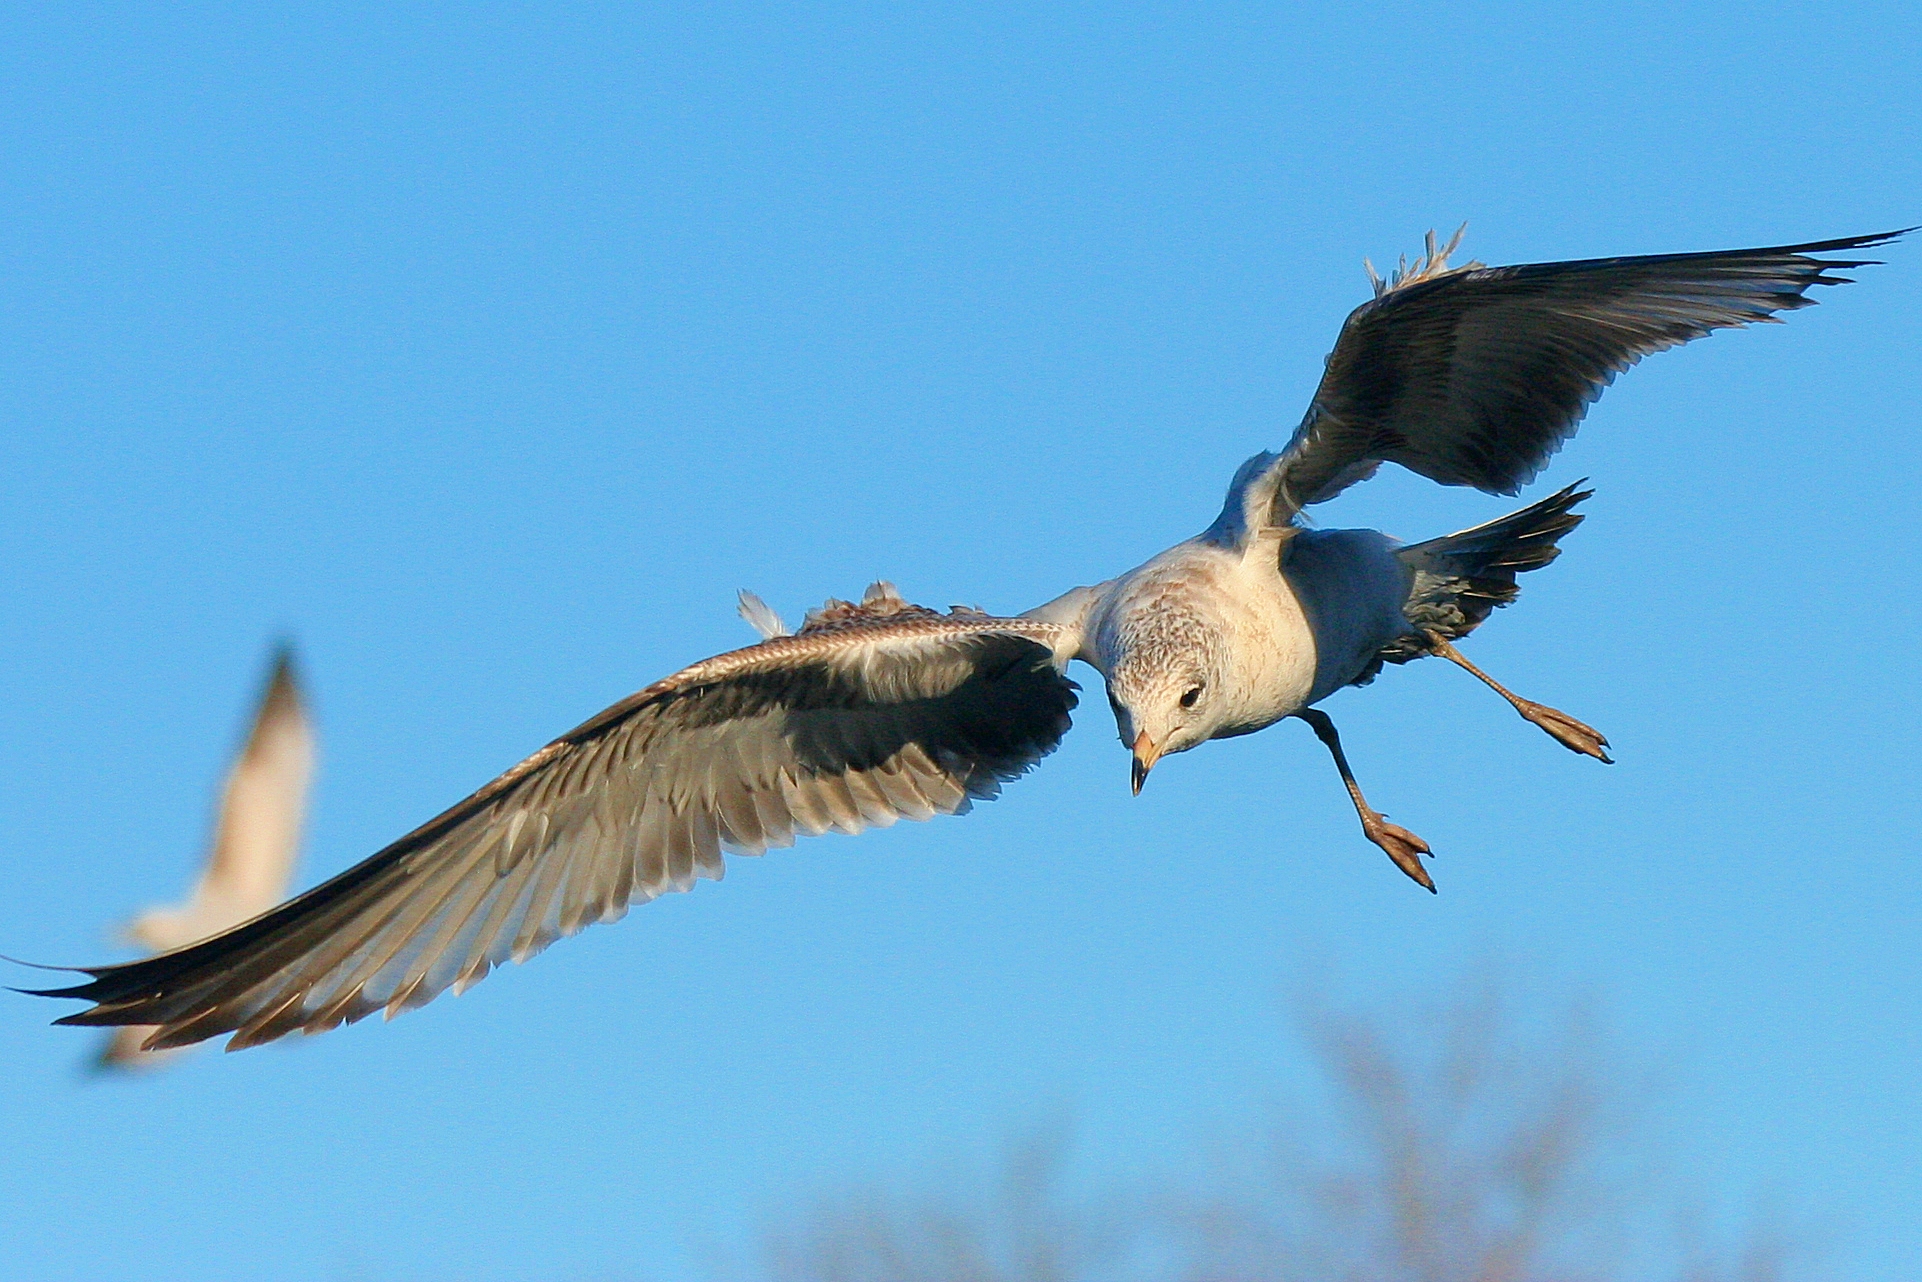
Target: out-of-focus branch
[[1466, 1141], [1015, 1231], [1455, 1145]]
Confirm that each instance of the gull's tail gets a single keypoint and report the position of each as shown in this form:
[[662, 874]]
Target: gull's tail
[[1459, 579]]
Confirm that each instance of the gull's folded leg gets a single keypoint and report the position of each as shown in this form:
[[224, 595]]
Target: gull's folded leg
[[1403, 846], [1574, 735]]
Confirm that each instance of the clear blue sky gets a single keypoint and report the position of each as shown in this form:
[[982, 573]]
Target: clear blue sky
[[488, 353]]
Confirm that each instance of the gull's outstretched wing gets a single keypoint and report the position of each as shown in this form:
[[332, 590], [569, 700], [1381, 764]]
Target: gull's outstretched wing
[[255, 843], [1476, 375], [869, 714]]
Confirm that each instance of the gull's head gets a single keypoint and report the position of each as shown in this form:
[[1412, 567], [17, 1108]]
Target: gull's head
[[1165, 685]]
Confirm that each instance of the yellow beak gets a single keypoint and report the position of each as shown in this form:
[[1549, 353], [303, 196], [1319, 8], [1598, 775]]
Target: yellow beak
[[1146, 754]]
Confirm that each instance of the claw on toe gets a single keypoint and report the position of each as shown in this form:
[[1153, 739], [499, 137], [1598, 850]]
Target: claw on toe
[[1402, 846], [1574, 735]]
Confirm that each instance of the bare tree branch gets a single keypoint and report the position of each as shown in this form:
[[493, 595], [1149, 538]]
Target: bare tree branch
[[1471, 1140]]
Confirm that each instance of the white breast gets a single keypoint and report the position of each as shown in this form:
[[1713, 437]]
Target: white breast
[[1351, 588], [1242, 601], [1273, 637]]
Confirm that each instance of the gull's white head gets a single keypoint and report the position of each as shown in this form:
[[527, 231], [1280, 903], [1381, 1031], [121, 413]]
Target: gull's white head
[[1166, 670]]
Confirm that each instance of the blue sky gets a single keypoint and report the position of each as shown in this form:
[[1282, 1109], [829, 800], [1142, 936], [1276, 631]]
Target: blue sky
[[486, 353]]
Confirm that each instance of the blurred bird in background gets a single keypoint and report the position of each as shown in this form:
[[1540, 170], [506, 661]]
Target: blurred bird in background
[[256, 841]]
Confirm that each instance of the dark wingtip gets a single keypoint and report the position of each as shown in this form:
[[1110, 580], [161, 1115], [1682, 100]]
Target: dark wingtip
[[79, 992], [77, 1020], [283, 672], [1853, 242], [1827, 267], [72, 970], [89, 991]]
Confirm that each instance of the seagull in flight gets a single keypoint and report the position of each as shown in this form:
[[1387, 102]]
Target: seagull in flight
[[256, 841], [883, 710]]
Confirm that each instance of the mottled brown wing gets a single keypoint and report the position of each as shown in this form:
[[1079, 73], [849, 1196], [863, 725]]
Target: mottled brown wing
[[1477, 376], [849, 725]]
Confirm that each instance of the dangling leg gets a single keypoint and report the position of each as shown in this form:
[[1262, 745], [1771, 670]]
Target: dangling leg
[[1403, 846], [1570, 733]]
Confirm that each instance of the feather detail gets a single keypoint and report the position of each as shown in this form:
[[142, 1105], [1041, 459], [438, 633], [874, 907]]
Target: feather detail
[[761, 617], [1430, 266]]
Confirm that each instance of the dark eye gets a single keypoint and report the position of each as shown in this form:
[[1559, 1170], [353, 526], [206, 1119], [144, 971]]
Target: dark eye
[[1188, 699]]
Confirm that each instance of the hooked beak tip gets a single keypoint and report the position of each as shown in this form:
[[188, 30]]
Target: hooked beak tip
[[1146, 754]]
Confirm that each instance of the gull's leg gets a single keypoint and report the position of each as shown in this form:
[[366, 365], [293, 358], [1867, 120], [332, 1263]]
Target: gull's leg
[[1403, 846], [1574, 735]]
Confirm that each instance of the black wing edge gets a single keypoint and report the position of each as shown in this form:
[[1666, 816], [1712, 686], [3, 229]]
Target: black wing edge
[[283, 681], [1791, 298], [113, 987], [1822, 266]]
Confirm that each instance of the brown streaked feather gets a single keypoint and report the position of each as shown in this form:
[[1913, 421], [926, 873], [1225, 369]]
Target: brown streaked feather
[[871, 713]]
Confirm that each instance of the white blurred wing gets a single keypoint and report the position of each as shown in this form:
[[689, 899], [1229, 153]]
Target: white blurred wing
[[257, 827], [262, 808], [255, 843], [1476, 376], [870, 714]]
